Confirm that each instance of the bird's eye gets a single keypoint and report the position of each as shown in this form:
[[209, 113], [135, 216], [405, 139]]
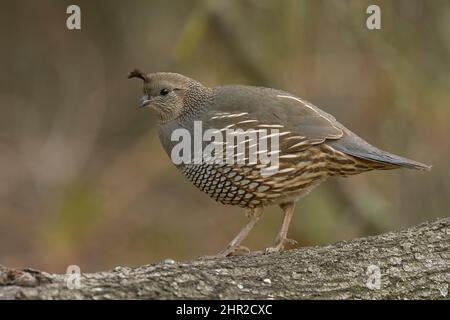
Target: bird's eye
[[164, 91]]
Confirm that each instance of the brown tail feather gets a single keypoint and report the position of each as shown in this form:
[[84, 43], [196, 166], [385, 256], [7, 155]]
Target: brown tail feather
[[343, 164], [353, 145]]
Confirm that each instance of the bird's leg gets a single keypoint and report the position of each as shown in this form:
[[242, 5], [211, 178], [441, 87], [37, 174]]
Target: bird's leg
[[235, 245], [281, 240]]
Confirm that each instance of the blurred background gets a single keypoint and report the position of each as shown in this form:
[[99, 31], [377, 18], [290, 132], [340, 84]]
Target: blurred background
[[84, 180]]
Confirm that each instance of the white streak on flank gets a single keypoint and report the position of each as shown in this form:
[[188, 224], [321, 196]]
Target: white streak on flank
[[270, 126], [226, 128], [295, 137], [284, 133], [308, 105], [247, 140], [270, 135], [332, 150], [220, 115], [286, 170], [236, 115], [247, 121], [299, 144], [228, 115], [311, 107]]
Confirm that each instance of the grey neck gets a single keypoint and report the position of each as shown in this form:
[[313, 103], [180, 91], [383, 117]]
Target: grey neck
[[196, 101]]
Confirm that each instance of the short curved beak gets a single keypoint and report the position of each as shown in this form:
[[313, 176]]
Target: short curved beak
[[144, 101]]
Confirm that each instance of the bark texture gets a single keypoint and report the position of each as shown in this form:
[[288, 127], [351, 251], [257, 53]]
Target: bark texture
[[410, 264]]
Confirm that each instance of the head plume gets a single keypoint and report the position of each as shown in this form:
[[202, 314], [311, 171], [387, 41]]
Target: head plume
[[136, 73]]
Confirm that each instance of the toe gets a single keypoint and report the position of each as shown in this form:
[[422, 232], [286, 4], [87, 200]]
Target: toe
[[291, 242], [281, 245], [274, 249], [211, 257], [240, 251], [236, 251]]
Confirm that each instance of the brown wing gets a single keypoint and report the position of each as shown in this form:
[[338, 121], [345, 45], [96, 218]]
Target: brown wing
[[300, 123]]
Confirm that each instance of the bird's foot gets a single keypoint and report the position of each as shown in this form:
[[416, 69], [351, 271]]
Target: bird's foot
[[232, 251], [281, 245]]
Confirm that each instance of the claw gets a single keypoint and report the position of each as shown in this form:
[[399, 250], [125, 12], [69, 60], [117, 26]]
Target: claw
[[228, 252], [240, 251], [291, 242], [234, 248], [281, 245]]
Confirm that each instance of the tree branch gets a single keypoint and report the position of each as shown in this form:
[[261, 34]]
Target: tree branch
[[412, 264]]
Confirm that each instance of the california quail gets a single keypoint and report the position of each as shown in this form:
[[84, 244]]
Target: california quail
[[312, 145]]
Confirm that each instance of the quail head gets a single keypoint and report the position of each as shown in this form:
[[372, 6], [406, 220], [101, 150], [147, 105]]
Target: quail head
[[306, 144]]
